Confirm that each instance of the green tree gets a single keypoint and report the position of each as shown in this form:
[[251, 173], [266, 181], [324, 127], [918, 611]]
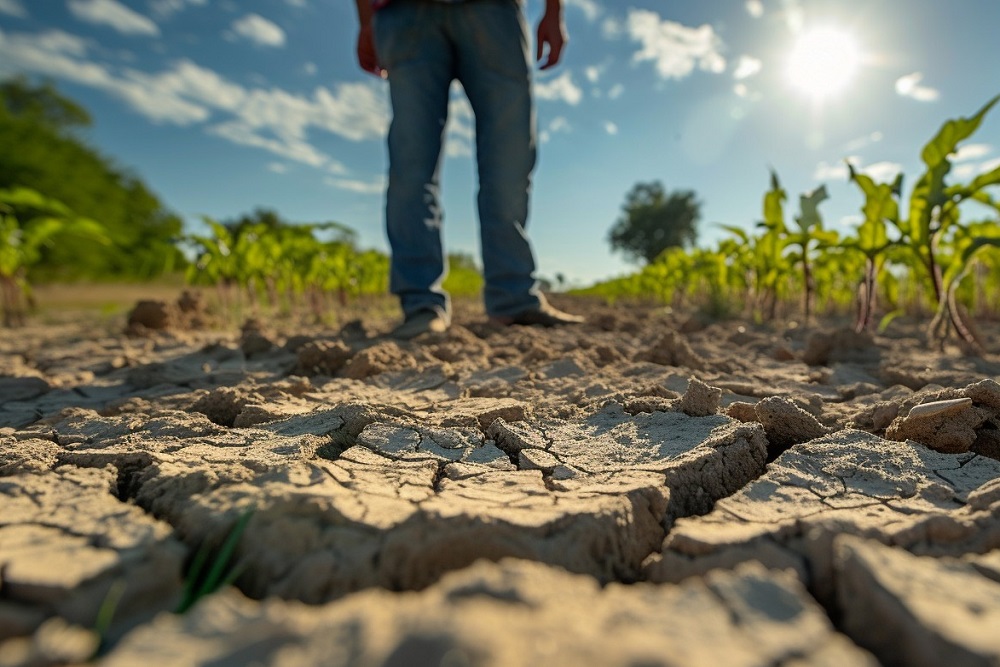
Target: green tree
[[653, 220], [41, 131]]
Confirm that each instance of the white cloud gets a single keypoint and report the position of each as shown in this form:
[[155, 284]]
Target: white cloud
[[373, 187], [834, 172], [971, 152], [560, 88], [310, 69], [460, 133], [591, 10], [969, 170], [616, 91], [278, 168], [259, 30], [560, 124], [909, 86], [989, 166], [883, 172], [746, 67], [13, 8], [272, 119], [593, 73], [880, 172], [675, 49], [298, 3], [114, 14], [610, 128], [755, 8], [167, 8], [856, 145], [612, 28]]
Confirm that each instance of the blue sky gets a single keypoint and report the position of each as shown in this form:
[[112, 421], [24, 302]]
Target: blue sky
[[224, 106]]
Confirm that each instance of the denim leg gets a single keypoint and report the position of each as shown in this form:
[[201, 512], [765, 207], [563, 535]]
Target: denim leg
[[414, 48], [494, 66]]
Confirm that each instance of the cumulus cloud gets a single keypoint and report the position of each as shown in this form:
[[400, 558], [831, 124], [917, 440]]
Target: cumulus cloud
[[460, 133], [616, 91], [968, 170], [612, 28], [561, 88], [13, 8], [278, 168], [971, 152], [862, 142], [746, 67], [880, 172], [167, 8], [185, 94], [675, 49], [591, 10], [755, 8], [113, 14], [259, 30], [909, 86], [610, 128], [375, 186]]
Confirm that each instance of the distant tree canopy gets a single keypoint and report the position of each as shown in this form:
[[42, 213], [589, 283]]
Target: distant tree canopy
[[653, 220], [41, 150]]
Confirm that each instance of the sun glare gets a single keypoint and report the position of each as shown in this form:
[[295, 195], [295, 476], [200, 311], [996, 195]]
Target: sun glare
[[823, 61]]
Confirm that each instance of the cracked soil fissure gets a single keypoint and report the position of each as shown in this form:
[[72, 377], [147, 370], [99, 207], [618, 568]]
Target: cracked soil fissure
[[518, 459]]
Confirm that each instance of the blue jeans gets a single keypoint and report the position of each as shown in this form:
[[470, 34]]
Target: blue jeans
[[483, 44]]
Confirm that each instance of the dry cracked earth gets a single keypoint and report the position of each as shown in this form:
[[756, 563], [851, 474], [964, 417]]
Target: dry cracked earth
[[644, 489]]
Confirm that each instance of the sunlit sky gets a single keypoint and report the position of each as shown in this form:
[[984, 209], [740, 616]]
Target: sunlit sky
[[225, 106]]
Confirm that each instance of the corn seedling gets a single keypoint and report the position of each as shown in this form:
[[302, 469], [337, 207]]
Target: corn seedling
[[212, 570]]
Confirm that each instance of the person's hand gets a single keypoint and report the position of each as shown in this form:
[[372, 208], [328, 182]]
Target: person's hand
[[367, 57], [551, 33]]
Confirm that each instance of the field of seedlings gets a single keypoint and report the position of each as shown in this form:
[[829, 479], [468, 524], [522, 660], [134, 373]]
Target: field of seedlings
[[781, 451]]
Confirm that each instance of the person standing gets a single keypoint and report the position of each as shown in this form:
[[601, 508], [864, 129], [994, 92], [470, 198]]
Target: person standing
[[421, 46]]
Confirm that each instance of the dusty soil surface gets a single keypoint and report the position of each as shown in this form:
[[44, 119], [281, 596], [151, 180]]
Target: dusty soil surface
[[644, 489]]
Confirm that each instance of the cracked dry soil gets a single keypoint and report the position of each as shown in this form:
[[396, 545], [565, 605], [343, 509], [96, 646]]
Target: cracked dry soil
[[644, 489]]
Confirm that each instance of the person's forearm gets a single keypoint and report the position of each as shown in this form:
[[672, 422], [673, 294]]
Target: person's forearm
[[365, 11], [554, 6]]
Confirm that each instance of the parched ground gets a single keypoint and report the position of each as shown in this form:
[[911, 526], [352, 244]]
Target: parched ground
[[643, 489]]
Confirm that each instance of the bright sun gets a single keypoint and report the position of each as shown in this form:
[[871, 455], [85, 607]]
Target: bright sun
[[823, 61]]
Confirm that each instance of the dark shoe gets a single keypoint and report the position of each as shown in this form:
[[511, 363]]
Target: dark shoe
[[420, 322], [544, 316]]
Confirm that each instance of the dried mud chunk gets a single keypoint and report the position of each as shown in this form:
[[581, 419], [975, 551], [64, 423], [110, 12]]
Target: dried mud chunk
[[985, 393], [253, 339], [786, 424], [222, 405], [742, 411], [824, 347], [912, 610], [323, 357], [700, 400], [635, 406], [386, 356], [947, 426], [672, 349], [154, 315], [190, 302]]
